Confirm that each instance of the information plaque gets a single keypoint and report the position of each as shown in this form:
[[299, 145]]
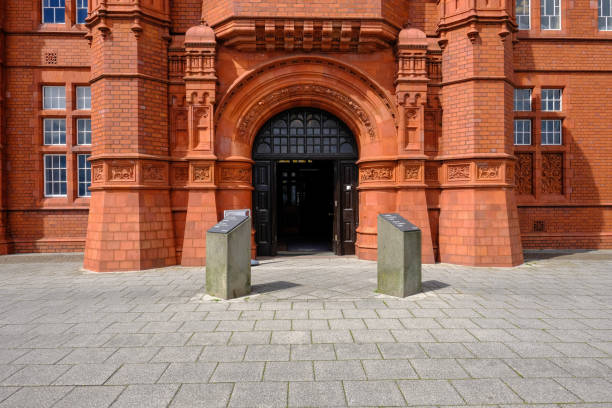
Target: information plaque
[[228, 257], [399, 256]]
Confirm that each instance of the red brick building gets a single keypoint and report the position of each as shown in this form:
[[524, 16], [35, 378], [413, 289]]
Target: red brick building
[[128, 126]]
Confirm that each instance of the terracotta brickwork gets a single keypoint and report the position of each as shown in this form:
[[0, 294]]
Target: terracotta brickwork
[[179, 89]]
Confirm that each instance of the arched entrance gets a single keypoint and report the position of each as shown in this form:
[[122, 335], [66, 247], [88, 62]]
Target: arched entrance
[[305, 184]]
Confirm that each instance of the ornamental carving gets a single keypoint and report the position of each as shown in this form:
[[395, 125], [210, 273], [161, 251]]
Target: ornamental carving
[[509, 172], [285, 93], [376, 174], [459, 172], [122, 173], [488, 172], [181, 174], [412, 172], [431, 173], [202, 174], [235, 174], [552, 173], [153, 172], [97, 173], [524, 173]]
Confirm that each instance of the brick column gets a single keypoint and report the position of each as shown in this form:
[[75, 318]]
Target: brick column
[[478, 215], [130, 220], [200, 86], [411, 92], [3, 234]]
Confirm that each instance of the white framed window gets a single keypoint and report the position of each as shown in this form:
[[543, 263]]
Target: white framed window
[[83, 98], [522, 100], [523, 14], [551, 100], [551, 132], [550, 14], [54, 97], [605, 15], [83, 131], [81, 11], [522, 131], [54, 131], [54, 11], [55, 175], [84, 176]]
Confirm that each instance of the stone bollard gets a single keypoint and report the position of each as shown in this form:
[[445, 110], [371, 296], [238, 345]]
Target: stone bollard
[[228, 257], [399, 256]]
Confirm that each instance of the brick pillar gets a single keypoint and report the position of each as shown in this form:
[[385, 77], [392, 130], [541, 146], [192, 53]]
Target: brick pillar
[[478, 215], [411, 92], [200, 86], [130, 220], [3, 232]]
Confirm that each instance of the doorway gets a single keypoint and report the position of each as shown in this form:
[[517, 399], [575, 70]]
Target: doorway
[[305, 184], [305, 205]]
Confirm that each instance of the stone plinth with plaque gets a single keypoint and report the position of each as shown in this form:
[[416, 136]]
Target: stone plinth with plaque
[[228, 257], [399, 256]]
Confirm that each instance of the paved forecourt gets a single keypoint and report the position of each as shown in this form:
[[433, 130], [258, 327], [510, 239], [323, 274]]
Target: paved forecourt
[[313, 333]]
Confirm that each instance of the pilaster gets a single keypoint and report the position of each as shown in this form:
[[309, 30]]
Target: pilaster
[[3, 226], [411, 91], [130, 221], [478, 215], [200, 86]]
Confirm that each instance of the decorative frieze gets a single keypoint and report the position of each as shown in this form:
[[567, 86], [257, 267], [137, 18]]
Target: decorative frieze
[[122, 172], [368, 174], [202, 174], [232, 174], [181, 174], [97, 173], [552, 173], [431, 173], [486, 171], [412, 172], [154, 172], [457, 172]]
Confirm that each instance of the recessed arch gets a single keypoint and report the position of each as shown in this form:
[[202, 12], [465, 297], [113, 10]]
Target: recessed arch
[[306, 81]]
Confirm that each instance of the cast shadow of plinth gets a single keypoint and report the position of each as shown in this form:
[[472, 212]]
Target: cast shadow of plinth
[[432, 285], [272, 286]]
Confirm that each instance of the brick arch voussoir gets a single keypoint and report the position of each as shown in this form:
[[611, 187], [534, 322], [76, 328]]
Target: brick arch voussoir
[[300, 82]]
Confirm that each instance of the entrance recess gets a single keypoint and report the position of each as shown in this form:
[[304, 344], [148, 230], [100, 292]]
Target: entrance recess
[[305, 180]]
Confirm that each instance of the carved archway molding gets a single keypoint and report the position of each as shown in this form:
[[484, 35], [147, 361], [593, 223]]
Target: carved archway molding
[[297, 81], [289, 92]]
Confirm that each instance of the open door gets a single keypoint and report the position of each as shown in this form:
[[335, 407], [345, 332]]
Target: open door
[[345, 202], [263, 207]]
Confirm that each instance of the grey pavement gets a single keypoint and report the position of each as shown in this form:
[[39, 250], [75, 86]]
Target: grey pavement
[[314, 333]]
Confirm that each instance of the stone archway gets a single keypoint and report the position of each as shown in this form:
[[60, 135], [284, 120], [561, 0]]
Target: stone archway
[[366, 108]]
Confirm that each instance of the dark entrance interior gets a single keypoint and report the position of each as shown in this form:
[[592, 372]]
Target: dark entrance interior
[[305, 179], [305, 205]]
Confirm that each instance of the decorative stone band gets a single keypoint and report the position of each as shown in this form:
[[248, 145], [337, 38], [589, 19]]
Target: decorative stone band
[[136, 173], [475, 172], [299, 90]]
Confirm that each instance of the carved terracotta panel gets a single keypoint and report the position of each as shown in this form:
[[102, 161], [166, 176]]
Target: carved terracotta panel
[[235, 174], [488, 171], [376, 174], [431, 173], [458, 172], [552, 173], [97, 173], [524, 173], [122, 172], [412, 172], [202, 174], [154, 172], [181, 174]]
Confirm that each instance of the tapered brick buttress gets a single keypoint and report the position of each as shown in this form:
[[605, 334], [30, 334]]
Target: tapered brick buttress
[[130, 220]]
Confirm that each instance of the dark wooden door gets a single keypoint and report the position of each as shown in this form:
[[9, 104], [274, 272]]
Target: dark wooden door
[[263, 206], [345, 201]]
